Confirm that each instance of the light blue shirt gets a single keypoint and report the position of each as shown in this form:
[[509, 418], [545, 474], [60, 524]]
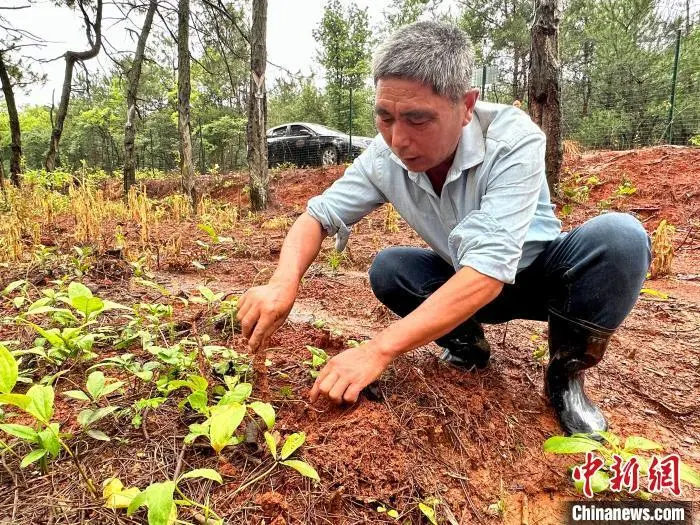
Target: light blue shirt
[[494, 213]]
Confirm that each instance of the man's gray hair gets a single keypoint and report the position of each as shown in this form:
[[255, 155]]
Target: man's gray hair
[[436, 54]]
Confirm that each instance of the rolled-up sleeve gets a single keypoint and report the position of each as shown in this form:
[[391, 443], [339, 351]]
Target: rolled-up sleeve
[[350, 198], [490, 239]]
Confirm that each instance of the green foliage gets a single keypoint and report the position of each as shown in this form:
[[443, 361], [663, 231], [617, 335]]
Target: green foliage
[[159, 498], [582, 443], [319, 357], [345, 40]]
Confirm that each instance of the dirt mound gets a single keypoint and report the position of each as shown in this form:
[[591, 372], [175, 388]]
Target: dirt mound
[[654, 183]]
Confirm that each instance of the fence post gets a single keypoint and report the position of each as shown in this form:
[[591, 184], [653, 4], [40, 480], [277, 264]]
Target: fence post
[[673, 86], [201, 150], [350, 148], [483, 83]]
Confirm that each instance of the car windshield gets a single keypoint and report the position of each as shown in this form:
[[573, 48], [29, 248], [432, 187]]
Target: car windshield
[[323, 130]]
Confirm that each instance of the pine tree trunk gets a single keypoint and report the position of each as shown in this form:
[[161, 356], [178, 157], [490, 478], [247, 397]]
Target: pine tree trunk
[[183, 103], [71, 58], [13, 117], [544, 91], [257, 110], [132, 90]]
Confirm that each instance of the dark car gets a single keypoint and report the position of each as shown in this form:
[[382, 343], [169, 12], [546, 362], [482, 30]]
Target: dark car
[[307, 144]]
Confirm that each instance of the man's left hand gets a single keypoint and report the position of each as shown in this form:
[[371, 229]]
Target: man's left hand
[[345, 375]]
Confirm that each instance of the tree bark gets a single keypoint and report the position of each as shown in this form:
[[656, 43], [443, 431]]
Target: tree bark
[[132, 89], [257, 110], [183, 102], [71, 58], [544, 90], [13, 117]]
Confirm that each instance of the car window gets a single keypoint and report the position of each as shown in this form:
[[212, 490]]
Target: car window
[[297, 130], [278, 132]]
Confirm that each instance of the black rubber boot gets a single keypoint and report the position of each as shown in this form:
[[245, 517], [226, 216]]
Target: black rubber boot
[[574, 347], [469, 352]]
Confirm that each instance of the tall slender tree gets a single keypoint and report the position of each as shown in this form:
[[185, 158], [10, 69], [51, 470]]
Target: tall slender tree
[[544, 89], [183, 102], [134, 77], [93, 32], [13, 117], [257, 110]]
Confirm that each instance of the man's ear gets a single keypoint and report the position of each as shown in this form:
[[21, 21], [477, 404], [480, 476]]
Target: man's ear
[[469, 101]]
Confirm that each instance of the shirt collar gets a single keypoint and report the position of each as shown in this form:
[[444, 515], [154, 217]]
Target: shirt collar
[[470, 152]]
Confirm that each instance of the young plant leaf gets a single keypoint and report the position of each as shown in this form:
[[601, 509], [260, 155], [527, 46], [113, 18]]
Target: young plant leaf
[[88, 416], [428, 512], [116, 497], [600, 481], [95, 384], [9, 371], [689, 475], [161, 506], [223, 423], [98, 434], [640, 443], [20, 431], [48, 439], [205, 473], [138, 501], [76, 394], [571, 445], [293, 442], [76, 289], [239, 394], [265, 411], [302, 468], [271, 444], [19, 400], [13, 286], [34, 455], [41, 402]]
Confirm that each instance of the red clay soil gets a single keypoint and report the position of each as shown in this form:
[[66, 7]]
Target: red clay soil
[[469, 439]]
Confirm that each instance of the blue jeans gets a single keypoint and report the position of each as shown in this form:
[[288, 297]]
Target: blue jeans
[[592, 275]]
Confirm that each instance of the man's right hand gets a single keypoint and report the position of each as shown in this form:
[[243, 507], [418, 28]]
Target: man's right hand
[[263, 309]]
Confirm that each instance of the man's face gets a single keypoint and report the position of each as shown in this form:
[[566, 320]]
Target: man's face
[[421, 128]]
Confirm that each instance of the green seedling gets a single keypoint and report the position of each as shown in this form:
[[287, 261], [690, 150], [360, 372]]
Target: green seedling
[[319, 357], [226, 318], [226, 360], [43, 255], [159, 498], [197, 399], [291, 444], [227, 415], [142, 404], [81, 261], [600, 482], [335, 259], [208, 297], [43, 437], [214, 237], [128, 363], [541, 351], [626, 188], [20, 286], [427, 507], [392, 513], [97, 388]]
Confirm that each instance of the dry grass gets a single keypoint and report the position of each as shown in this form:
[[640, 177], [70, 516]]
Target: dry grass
[[391, 221], [662, 249], [572, 148]]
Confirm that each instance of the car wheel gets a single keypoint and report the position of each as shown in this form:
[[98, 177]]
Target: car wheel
[[329, 156]]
